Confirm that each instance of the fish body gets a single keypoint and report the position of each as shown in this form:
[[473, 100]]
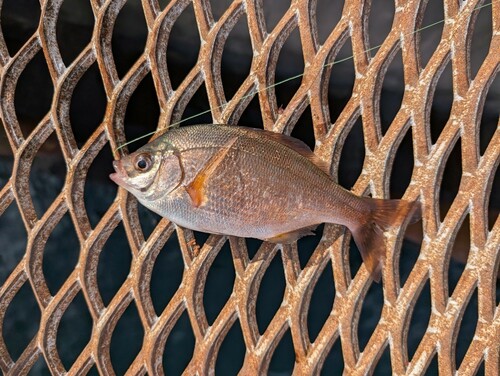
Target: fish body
[[248, 182]]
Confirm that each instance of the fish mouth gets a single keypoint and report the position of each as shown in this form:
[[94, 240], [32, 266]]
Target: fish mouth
[[117, 176]]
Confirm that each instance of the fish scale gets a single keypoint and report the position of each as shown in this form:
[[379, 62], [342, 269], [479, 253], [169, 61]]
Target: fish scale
[[288, 201]]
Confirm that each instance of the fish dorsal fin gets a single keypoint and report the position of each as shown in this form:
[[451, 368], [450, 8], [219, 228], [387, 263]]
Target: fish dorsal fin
[[296, 145]]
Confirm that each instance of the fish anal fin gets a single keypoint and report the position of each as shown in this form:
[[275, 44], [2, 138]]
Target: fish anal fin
[[290, 237], [196, 189], [298, 146]]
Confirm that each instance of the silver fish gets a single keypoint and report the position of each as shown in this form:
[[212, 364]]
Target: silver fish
[[252, 183]]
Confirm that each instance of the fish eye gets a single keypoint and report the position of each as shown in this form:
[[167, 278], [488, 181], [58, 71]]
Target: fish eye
[[143, 162]]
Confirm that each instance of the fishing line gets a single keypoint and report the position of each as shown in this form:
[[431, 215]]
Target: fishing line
[[287, 80]]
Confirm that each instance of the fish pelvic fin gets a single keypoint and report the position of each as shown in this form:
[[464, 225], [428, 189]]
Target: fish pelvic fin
[[369, 235]]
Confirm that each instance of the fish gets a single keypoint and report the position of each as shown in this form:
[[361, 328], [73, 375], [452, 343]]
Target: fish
[[253, 183]]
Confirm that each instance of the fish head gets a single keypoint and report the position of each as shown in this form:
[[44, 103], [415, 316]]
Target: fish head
[[149, 172]]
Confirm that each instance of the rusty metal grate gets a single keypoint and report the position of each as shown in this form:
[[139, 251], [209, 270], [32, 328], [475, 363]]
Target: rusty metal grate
[[371, 67]]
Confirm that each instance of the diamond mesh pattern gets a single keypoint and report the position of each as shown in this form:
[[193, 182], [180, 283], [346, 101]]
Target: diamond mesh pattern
[[478, 172]]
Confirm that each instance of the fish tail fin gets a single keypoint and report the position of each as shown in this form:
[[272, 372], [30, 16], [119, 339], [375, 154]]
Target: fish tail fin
[[369, 235]]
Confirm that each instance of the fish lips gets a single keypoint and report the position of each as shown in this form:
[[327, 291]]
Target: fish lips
[[119, 174]]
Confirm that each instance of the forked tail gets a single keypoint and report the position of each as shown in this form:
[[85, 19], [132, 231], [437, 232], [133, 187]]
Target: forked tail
[[369, 235]]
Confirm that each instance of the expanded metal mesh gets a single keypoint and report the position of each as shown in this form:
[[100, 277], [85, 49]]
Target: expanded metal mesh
[[413, 116]]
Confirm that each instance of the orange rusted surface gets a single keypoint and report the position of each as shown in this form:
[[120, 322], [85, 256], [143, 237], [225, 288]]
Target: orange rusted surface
[[413, 116]]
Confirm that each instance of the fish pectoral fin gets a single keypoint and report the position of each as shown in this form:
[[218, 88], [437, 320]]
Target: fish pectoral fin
[[198, 197], [196, 189], [290, 237]]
